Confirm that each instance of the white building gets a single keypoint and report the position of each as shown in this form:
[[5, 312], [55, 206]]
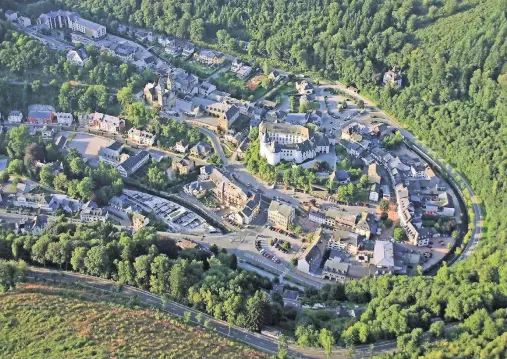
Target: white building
[[141, 137], [24, 21], [335, 269], [133, 163], [70, 20], [286, 142], [111, 154], [15, 117], [64, 118], [383, 255], [107, 123], [281, 215], [90, 214], [11, 15], [77, 57]]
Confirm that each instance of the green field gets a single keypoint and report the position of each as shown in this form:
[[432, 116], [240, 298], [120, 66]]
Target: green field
[[50, 321]]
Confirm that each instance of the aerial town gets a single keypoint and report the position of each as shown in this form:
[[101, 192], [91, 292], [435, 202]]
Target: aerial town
[[304, 181]]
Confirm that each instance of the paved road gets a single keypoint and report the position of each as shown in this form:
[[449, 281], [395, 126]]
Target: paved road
[[216, 143]]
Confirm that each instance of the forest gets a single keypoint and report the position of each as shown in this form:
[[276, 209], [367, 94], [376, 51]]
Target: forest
[[453, 59]]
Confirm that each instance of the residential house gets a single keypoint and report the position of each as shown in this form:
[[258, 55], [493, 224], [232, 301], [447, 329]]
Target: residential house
[[281, 215], [209, 57], [139, 221], [181, 146], [386, 192], [94, 215], [275, 76], [392, 77], [251, 209], [107, 123], [346, 241], [201, 149], [335, 269], [15, 117], [173, 48], [11, 15], [24, 21], [312, 256], [124, 52], [304, 88], [374, 192], [111, 154], [340, 177], [383, 255], [225, 191], [141, 137], [188, 50], [61, 142], [183, 165], [47, 133], [64, 118], [144, 35], [40, 117], [133, 163], [39, 223], [123, 204], [77, 57]]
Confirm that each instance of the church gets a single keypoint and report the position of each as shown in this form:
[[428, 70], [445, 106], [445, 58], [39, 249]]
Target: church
[[158, 97]]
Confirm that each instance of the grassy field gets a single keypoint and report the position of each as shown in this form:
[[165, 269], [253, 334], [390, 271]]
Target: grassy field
[[49, 321]]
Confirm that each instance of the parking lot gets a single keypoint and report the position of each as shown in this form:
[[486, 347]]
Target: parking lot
[[88, 146]]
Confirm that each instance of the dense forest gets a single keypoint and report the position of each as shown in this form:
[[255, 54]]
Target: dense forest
[[453, 57]]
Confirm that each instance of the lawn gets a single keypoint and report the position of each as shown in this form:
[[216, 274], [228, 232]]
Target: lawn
[[50, 321], [246, 89]]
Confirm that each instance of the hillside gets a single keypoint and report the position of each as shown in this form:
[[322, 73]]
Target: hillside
[[49, 321]]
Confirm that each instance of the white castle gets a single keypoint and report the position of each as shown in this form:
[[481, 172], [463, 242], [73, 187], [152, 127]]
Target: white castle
[[286, 142]]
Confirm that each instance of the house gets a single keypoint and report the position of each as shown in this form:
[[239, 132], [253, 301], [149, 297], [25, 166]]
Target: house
[[23, 188], [107, 123], [392, 77], [15, 117], [144, 35], [39, 223], [312, 256], [183, 165], [47, 133], [11, 15], [141, 137], [340, 177], [224, 190], [209, 57], [133, 163], [275, 76], [281, 215], [24, 21], [304, 88], [90, 214], [40, 117], [201, 149], [383, 255], [139, 221], [374, 192], [181, 146], [188, 50], [291, 297], [64, 118], [123, 204], [77, 57], [335, 269], [61, 143], [173, 48], [111, 154], [124, 52], [205, 89], [386, 193], [251, 209]]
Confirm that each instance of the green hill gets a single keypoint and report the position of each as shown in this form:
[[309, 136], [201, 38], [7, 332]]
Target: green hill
[[49, 321]]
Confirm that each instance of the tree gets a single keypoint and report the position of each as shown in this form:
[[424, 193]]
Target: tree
[[254, 133], [437, 329], [97, 261], [156, 177], [384, 205], [18, 139], [77, 259], [125, 96], [15, 167], [265, 66], [85, 188], [46, 175], [256, 308], [4, 176], [399, 234], [76, 166], [283, 346], [293, 103], [10, 273], [327, 341], [60, 182]]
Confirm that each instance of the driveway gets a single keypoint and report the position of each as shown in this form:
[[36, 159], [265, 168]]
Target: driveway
[[88, 146]]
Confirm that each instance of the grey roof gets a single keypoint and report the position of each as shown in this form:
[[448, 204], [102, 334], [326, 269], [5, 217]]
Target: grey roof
[[231, 112], [88, 24], [39, 114], [124, 50], [290, 294], [115, 146], [61, 141], [133, 160], [383, 254]]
